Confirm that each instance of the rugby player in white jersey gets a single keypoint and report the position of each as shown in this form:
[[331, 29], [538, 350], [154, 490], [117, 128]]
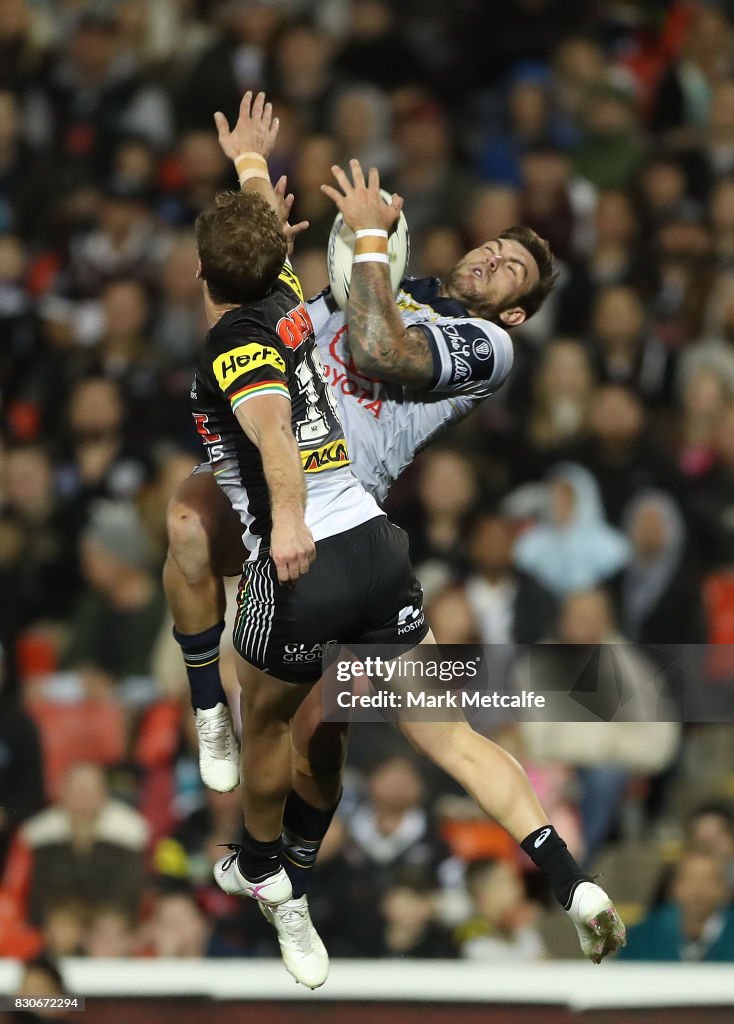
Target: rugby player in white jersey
[[298, 609]]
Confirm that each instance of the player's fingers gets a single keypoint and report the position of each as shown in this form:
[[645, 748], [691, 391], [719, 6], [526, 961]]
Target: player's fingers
[[373, 180], [397, 202], [221, 123], [267, 117], [258, 106], [357, 173], [288, 202], [273, 130], [281, 568], [331, 193], [280, 187], [342, 179], [245, 104], [304, 564], [300, 227]]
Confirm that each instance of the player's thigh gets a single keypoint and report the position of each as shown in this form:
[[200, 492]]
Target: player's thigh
[[201, 521]]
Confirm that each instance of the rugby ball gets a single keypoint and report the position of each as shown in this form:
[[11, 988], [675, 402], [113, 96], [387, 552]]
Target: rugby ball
[[341, 251]]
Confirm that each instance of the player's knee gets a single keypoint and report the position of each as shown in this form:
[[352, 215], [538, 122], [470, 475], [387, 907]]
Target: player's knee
[[188, 541]]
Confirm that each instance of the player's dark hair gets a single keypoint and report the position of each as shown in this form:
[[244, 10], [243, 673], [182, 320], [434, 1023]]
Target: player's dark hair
[[242, 247], [539, 249]]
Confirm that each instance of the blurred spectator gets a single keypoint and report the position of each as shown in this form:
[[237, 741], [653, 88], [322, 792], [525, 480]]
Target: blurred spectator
[[441, 248], [126, 241], [627, 353], [86, 844], [710, 828], [393, 826], [375, 49], [611, 260], [503, 922], [178, 324], [530, 122], [98, 460], [177, 928], [494, 208], [433, 187], [300, 74], [452, 616], [698, 923], [360, 122], [509, 606], [110, 933], [447, 491], [575, 548], [623, 452], [611, 150], [234, 63], [64, 928], [94, 94], [713, 499], [343, 891], [409, 910], [660, 599], [21, 774], [563, 395], [115, 625], [44, 570], [611, 710], [201, 169], [706, 394]]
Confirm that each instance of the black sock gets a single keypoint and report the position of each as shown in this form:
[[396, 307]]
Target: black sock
[[201, 657], [304, 827], [548, 851], [258, 860]]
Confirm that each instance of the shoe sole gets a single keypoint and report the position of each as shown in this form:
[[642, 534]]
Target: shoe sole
[[610, 930]]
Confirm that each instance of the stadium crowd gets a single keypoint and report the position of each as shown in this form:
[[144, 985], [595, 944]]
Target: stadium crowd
[[590, 501]]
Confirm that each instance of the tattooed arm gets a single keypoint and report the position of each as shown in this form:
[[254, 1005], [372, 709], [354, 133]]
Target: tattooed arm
[[379, 342]]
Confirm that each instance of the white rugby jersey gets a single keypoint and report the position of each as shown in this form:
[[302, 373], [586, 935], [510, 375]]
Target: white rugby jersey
[[386, 424]]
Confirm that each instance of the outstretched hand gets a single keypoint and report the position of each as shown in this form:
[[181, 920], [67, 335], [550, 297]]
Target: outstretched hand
[[256, 129], [359, 201], [286, 205]]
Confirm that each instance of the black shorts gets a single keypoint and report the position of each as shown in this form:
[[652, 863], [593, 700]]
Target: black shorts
[[360, 589]]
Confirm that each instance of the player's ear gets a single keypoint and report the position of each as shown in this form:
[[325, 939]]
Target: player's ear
[[198, 270], [512, 317]]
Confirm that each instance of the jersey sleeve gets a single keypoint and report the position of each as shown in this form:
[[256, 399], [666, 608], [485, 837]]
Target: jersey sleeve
[[468, 351], [249, 365]]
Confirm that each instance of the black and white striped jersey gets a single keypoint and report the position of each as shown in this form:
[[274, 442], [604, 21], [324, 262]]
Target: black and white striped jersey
[[268, 348]]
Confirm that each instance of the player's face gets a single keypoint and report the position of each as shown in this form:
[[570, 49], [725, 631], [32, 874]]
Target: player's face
[[490, 280]]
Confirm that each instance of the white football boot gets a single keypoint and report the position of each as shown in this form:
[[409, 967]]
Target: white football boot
[[599, 926], [303, 952], [270, 891], [219, 752]]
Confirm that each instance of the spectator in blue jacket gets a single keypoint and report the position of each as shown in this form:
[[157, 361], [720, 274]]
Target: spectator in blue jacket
[[698, 923]]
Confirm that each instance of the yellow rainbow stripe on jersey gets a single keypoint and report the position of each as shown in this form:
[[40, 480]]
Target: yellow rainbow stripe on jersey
[[265, 387]]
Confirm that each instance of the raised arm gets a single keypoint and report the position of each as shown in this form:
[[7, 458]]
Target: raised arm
[[380, 344], [248, 145], [267, 422]]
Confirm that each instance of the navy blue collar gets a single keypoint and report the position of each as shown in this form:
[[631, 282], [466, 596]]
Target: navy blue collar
[[426, 291]]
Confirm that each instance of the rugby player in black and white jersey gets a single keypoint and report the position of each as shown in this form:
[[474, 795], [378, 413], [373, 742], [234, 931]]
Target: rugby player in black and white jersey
[[328, 602]]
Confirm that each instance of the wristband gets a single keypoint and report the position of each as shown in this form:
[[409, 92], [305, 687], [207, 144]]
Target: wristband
[[371, 257], [251, 165], [370, 233]]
